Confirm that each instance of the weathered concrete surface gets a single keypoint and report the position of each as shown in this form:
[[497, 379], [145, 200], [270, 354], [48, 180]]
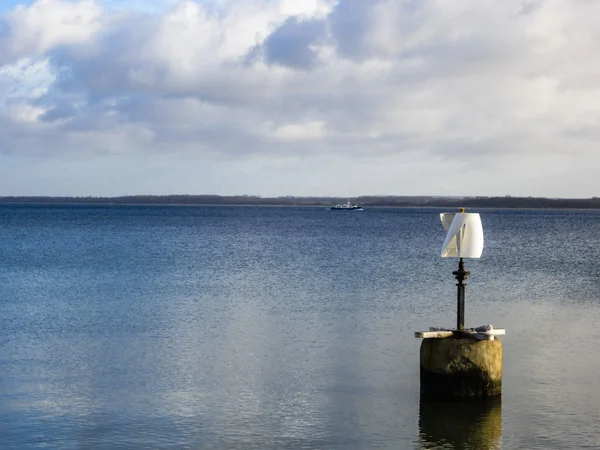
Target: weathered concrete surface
[[453, 369]]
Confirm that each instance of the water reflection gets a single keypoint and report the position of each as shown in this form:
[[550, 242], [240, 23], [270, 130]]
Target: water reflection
[[461, 425]]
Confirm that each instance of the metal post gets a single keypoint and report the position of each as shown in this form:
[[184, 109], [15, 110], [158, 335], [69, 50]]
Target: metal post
[[461, 275]]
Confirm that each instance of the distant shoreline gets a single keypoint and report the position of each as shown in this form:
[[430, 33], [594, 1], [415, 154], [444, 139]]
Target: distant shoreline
[[506, 202]]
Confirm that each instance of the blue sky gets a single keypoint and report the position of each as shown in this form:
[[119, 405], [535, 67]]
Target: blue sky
[[135, 5], [282, 97], [7, 5]]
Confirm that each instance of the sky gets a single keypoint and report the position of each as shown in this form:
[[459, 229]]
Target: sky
[[300, 97]]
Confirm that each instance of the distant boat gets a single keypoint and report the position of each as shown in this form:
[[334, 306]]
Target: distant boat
[[346, 207]]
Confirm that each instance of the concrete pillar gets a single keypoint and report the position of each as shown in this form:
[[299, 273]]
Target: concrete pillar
[[460, 369]]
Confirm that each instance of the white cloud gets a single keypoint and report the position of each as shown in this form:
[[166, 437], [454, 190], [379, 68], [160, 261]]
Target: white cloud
[[24, 113], [50, 23], [26, 79], [300, 132], [499, 89]]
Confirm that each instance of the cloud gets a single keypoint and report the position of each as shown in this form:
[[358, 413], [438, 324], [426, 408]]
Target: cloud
[[473, 85], [58, 112], [351, 22], [48, 24]]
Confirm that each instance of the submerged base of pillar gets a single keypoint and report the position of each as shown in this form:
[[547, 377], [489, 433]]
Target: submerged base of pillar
[[461, 424], [460, 369]]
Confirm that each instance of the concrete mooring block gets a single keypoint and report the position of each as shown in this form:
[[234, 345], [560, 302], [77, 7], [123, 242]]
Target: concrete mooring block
[[460, 368]]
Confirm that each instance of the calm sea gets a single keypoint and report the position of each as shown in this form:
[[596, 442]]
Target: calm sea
[[286, 328]]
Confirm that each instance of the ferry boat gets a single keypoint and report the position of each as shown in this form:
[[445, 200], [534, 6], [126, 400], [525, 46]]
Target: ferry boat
[[346, 207]]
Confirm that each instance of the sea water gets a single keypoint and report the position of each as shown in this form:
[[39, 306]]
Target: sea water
[[287, 328]]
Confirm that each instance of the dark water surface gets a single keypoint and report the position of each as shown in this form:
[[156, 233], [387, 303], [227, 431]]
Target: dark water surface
[[286, 328]]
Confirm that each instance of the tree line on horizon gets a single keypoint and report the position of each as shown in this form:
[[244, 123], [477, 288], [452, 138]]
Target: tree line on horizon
[[373, 201]]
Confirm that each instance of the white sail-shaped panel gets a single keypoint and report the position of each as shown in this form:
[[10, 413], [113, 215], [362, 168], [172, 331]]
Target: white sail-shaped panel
[[447, 219], [465, 235]]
